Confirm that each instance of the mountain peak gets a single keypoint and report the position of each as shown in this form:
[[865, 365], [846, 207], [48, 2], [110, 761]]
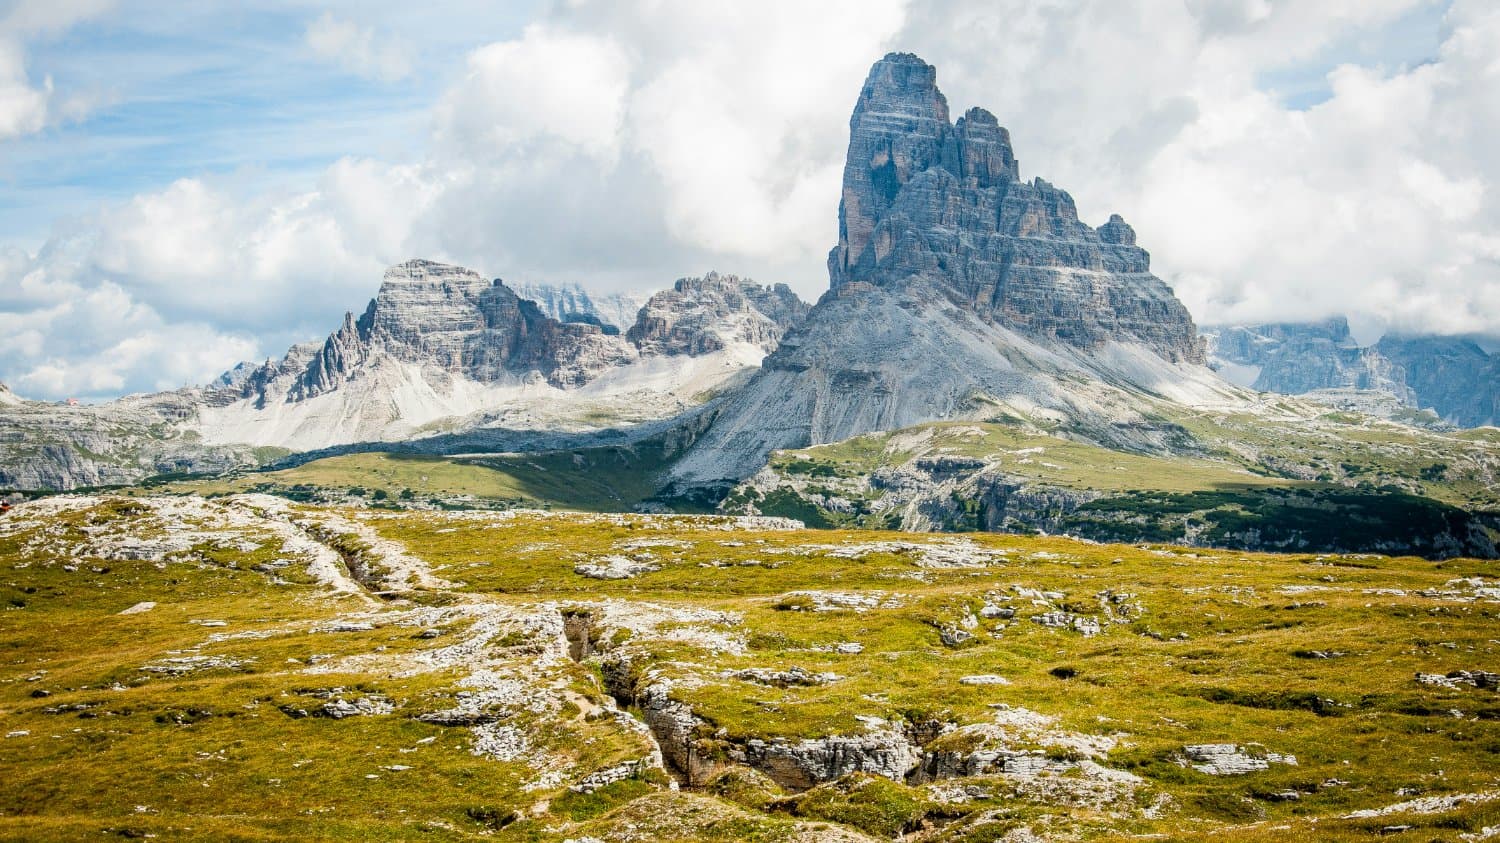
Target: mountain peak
[[902, 85], [421, 269], [939, 208], [957, 287]]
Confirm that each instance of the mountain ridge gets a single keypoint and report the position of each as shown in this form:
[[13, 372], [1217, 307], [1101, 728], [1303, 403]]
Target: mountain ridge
[[438, 349]]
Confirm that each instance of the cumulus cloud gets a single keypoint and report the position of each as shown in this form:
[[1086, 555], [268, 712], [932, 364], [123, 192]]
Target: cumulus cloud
[[358, 49], [1378, 202], [72, 337], [623, 144], [23, 106], [28, 106], [528, 96], [175, 287], [635, 143], [196, 251]]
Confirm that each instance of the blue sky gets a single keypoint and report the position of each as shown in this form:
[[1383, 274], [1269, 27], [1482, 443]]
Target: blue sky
[[1410, 39], [225, 89], [185, 185]]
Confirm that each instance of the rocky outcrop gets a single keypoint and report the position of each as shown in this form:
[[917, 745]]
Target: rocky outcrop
[[1227, 759], [45, 445], [958, 290], [942, 204], [1453, 377], [1012, 484], [805, 763], [702, 315]]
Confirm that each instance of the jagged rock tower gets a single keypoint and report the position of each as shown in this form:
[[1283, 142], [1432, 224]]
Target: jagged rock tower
[[943, 204], [956, 287]]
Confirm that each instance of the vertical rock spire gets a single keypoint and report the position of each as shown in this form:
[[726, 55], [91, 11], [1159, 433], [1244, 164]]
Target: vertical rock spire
[[899, 127], [940, 208]]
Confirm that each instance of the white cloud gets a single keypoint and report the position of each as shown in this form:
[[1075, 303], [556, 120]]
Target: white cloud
[[740, 117], [543, 89], [28, 106], [1379, 202], [35, 16], [177, 286], [23, 105], [100, 342], [358, 49], [194, 251], [635, 143]]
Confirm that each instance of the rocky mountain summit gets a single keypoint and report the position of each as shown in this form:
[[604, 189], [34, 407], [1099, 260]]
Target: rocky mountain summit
[[439, 349], [959, 290], [1452, 377], [939, 205], [446, 317], [700, 315]]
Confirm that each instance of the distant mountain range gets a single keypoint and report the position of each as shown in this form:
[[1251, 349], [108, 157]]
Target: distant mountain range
[[440, 349], [1451, 377]]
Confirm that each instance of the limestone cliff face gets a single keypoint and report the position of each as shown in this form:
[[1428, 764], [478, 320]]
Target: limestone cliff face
[[701, 315], [1451, 376], [941, 205], [957, 290], [450, 318]]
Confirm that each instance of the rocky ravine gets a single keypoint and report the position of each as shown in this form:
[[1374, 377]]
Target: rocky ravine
[[440, 349], [959, 290]]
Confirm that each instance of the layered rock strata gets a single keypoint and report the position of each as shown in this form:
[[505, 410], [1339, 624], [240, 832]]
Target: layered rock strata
[[959, 290]]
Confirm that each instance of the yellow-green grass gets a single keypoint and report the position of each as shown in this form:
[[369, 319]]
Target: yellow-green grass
[[1038, 457], [603, 479], [1220, 651], [1241, 673], [97, 743]]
